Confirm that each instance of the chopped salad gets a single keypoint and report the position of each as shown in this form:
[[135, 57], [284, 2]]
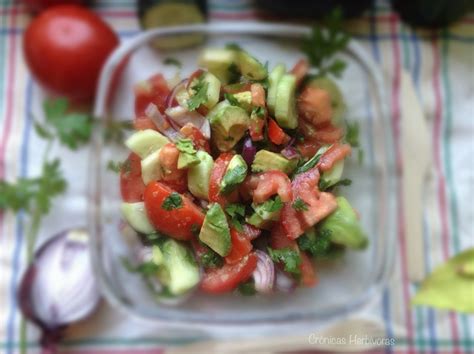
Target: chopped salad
[[233, 173]]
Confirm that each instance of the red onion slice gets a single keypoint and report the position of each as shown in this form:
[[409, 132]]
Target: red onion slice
[[283, 282], [161, 122], [264, 274], [290, 152], [248, 151], [180, 116], [171, 100]]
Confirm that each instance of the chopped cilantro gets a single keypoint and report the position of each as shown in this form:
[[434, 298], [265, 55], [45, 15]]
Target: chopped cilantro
[[317, 244], [173, 201], [231, 98], [200, 93], [352, 134], [309, 164], [211, 259], [259, 112], [287, 256], [299, 205], [324, 184], [232, 178], [247, 288], [237, 215], [272, 205]]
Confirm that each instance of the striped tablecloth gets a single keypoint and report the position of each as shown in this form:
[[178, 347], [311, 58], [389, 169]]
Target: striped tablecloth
[[442, 67]]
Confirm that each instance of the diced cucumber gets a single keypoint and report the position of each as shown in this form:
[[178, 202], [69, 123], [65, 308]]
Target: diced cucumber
[[331, 177], [144, 142], [285, 105], [180, 270], [213, 90], [218, 62], [151, 168], [273, 79], [215, 230], [199, 175], [135, 215], [250, 67]]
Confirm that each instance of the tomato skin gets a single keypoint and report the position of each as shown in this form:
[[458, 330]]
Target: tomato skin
[[173, 177], [198, 138], [176, 223], [227, 278], [55, 42], [258, 95], [266, 184], [334, 154], [241, 246], [131, 183], [153, 90], [314, 105], [218, 171], [276, 134], [39, 5], [256, 127]]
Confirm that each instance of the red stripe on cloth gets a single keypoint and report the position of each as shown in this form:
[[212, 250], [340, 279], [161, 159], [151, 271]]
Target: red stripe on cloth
[[9, 102], [438, 165], [400, 211], [117, 351]]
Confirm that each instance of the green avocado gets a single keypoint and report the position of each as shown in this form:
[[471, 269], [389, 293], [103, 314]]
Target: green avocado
[[266, 161], [228, 125], [245, 100], [200, 174], [235, 174], [215, 230]]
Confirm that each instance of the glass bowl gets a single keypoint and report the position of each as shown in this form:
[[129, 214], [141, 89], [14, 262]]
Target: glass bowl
[[344, 286]]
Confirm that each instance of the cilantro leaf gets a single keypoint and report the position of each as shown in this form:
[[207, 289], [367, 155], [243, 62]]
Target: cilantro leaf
[[247, 288], [272, 205], [316, 244], [173, 201], [114, 131], [211, 259], [232, 178], [200, 94], [323, 43], [172, 61], [308, 165], [299, 205], [325, 184], [185, 146], [231, 98], [118, 167], [289, 257], [352, 134], [259, 112], [237, 215]]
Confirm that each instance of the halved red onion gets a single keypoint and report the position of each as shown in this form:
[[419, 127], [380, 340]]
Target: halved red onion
[[264, 274], [161, 123], [283, 282], [290, 152], [59, 286], [180, 116], [248, 151]]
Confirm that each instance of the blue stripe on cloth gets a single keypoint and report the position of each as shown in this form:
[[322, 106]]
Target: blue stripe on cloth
[[19, 234]]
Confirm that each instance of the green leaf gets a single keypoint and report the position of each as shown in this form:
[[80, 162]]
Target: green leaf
[[211, 259], [352, 134], [232, 100], [272, 205], [316, 243], [233, 178], [172, 61], [237, 215], [310, 163], [325, 184], [259, 112], [451, 285], [289, 257], [200, 93], [299, 205], [247, 288], [173, 201], [186, 146], [43, 131]]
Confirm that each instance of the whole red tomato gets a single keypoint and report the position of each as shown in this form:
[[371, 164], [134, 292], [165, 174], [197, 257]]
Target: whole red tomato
[[65, 48]]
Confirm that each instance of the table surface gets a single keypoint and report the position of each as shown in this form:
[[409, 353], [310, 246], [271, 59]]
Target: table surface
[[442, 67]]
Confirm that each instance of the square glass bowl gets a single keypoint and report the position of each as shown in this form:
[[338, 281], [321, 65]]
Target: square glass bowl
[[344, 285]]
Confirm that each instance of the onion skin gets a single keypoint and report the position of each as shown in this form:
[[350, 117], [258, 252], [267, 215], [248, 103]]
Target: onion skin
[[264, 274], [53, 304], [248, 151]]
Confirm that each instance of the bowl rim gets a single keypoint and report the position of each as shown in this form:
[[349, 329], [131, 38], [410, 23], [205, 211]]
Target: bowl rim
[[111, 66]]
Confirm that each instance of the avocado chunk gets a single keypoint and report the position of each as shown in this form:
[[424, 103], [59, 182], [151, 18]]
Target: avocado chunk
[[344, 226], [144, 142], [285, 104], [337, 99], [199, 175], [220, 62], [266, 161], [215, 230], [179, 271], [331, 177], [235, 174], [151, 168], [228, 125], [135, 215], [250, 67], [187, 153], [273, 79], [244, 99]]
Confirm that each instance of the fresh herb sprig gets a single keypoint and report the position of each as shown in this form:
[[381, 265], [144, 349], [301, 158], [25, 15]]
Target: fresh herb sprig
[[324, 43]]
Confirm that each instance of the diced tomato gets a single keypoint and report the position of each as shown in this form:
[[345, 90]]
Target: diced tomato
[[300, 70], [315, 105], [308, 148], [256, 127], [251, 232], [308, 274], [334, 154], [171, 175], [131, 183], [236, 88], [179, 222], [143, 123], [218, 171], [258, 95], [279, 239], [154, 90], [266, 184], [227, 278], [319, 204], [276, 134], [328, 134], [198, 138], [241, 246]]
